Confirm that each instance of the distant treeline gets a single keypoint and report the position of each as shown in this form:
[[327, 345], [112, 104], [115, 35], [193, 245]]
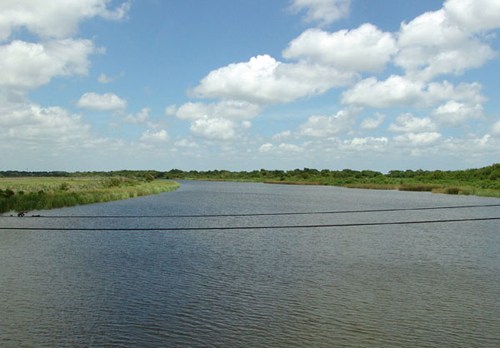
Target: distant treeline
[[487, 173], [491, 172], [481, 181]]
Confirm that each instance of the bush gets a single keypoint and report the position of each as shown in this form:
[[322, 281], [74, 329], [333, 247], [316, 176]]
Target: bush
[[6, 193]]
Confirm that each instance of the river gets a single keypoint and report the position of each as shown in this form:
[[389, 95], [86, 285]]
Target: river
[[114, 275]]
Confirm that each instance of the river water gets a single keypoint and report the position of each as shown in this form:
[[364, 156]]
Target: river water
[[419, 285]]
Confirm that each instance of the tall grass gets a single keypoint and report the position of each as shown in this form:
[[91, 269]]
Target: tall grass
[[26, 194]]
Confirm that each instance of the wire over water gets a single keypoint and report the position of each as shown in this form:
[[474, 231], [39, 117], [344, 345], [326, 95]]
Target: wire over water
[[255, 214], [173, 229]]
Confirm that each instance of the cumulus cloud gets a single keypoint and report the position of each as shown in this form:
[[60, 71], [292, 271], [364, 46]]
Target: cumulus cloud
[[141, 117], [395, 90], [214, 128], [417, 139], [282, 135], [403, 91], [363, 49], [102, 102], [103, 78], [29, 123], [434, 43], [496, 128], [229, 109], [322, 11], [266, 147], [365, 144], [186, 143], [54, 18], [324, 126], [46, 134], [371, 123], [264, 80], [407, 123], [27, 66], [474, 15], [155, 136], [219, 118], [281, 148], [455, 113]]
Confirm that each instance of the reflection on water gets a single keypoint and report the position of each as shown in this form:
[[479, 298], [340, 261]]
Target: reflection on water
[[403, 285]]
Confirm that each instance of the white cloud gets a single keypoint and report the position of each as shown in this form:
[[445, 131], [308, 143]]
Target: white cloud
[[171, 110], [282, 135], [141, 117], [266, 147], [469, 147], [322, 11], [155, 136], [282, 148], [229, 109], [102, 102], [454, 113], [26, 65], [33, 124], [436, 92], [217, 120], [373, 122], [264, 80], [214, 128], [246, 124], [408, 123], [402, 91], [54, 18], [496, 128], [289, 147], [103, 78], [365, 144], [324, 126], [396, 90], [474, 15], [185, 143], [363, 49], [432, 45], [430, 29], [417, 139]]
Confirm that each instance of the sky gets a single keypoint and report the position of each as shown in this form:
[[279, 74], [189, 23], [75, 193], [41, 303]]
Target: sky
[[90, 85]]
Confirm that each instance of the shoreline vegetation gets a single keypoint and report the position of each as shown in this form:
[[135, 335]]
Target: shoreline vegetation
[[483, 182], [26, 191], [29, 192]]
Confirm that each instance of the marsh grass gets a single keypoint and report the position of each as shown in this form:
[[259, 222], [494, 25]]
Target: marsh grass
[[26, 194], [373, 186]]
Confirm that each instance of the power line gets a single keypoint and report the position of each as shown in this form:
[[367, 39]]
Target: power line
[[221, 228], [256, 214]]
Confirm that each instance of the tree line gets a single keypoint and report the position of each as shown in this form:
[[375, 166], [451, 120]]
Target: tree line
[[491, 172]]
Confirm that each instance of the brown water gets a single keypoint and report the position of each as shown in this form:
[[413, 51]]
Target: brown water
[[425, 285]]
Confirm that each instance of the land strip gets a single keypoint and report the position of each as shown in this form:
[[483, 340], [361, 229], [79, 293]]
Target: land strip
[[480, 182], [22, 194]]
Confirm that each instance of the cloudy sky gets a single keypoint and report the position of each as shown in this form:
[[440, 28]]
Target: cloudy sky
[[243, 85]]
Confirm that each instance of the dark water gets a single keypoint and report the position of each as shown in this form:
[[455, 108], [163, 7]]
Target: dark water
[[426, 285]]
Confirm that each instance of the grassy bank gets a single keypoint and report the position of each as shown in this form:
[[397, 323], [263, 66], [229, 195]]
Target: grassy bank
[[37, 193]]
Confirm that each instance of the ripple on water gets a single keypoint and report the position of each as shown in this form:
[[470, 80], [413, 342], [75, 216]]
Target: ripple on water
[[425, 285]]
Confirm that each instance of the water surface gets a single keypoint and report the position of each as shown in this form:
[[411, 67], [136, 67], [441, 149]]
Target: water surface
[[425, 285]]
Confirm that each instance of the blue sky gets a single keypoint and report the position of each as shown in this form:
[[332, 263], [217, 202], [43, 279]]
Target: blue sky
[[243, 85]]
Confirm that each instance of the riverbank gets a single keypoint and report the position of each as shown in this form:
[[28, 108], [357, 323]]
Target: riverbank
[[483, 182], [39, 193]]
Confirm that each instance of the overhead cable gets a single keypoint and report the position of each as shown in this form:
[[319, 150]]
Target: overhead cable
[[173, 229], [257, 214]]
